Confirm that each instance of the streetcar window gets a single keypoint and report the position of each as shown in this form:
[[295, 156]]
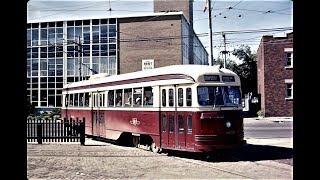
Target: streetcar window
[[164, 97], [119, 97], [71, 100], [127, 97], [94, 100], [111, 98], [189, 124], [171, 123], [148, 96], [66, 103], [97, 99], [211, 78], [231, 96], [180, 124], [75, 100], [228, 79], [210, 95], [164, 123], [221, 95], [81, 99], [218, 96], [137, 96], [170, 97], [86, 99], [180, 97], [103, 99], [100, 100], [189, 96]]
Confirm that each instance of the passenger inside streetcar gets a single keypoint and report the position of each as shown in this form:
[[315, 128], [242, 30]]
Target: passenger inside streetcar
[[145, 100], [128, 103], [138, 101], [118, 102]]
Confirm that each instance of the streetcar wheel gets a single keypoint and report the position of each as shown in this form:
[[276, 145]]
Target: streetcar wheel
[[154, 148]]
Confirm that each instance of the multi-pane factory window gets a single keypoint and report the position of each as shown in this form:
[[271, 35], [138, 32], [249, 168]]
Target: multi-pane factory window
[[53, 53]]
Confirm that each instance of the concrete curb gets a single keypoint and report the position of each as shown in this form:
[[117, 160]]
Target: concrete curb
[[274, 119]]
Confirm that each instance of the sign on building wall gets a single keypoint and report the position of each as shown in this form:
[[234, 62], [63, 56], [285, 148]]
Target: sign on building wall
[[147, 64]]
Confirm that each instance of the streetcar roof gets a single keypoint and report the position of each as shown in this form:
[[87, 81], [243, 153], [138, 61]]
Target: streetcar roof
[[191, 71]]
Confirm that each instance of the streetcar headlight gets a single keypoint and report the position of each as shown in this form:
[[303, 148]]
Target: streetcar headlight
[[228, 124]]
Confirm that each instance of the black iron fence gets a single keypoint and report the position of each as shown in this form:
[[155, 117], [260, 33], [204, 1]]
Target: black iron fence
[[49, 130]]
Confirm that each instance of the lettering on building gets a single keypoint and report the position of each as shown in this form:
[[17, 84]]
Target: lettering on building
[[147, 64]]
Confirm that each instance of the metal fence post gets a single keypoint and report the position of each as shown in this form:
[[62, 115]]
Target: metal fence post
[[39, 133], [82, 132]]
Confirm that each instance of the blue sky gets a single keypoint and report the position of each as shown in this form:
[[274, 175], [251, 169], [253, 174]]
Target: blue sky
[[244, 15]]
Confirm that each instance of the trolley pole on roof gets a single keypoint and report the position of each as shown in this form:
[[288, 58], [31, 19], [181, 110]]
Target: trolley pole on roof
[[80, 51], [79, 57], [225, 50]]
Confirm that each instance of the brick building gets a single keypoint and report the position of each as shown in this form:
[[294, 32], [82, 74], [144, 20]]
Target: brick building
[[112, 45], [275, 75]]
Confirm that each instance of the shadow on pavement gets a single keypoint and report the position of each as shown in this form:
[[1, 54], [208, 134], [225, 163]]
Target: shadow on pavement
[[248, 152], [99, 140]]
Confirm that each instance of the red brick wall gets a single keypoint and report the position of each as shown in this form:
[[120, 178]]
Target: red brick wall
[[271, 76], [164, 51], [175, 5]]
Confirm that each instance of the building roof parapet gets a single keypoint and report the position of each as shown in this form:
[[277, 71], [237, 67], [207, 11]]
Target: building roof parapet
[[104, 17], [267, 38]]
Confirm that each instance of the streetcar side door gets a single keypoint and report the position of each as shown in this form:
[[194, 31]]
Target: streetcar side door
[[181, 119], [98, 120], [167, 117], [101, 117], [164, 118], [95, 115]]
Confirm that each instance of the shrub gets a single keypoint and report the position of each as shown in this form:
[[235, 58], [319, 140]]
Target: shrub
[[260, 113]]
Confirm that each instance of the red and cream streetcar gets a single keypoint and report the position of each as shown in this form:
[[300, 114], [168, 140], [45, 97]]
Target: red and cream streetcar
[[193, 108]]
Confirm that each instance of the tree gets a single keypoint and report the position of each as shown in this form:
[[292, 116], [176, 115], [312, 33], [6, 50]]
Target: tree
[[56, 111], [230, 64], [247, 70]]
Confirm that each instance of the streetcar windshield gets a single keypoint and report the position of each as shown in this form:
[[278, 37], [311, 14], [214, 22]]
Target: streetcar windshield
[[219, 95]]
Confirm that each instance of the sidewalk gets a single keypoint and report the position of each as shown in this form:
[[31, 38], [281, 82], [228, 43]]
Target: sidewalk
[[279, 142], [274, 119]]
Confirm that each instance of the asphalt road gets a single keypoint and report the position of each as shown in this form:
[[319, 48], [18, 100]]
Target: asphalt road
[[100, 160], [268, 129], [252, 161]]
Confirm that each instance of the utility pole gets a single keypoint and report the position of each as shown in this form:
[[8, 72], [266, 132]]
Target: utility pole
[[225, 50], [210, 33]]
